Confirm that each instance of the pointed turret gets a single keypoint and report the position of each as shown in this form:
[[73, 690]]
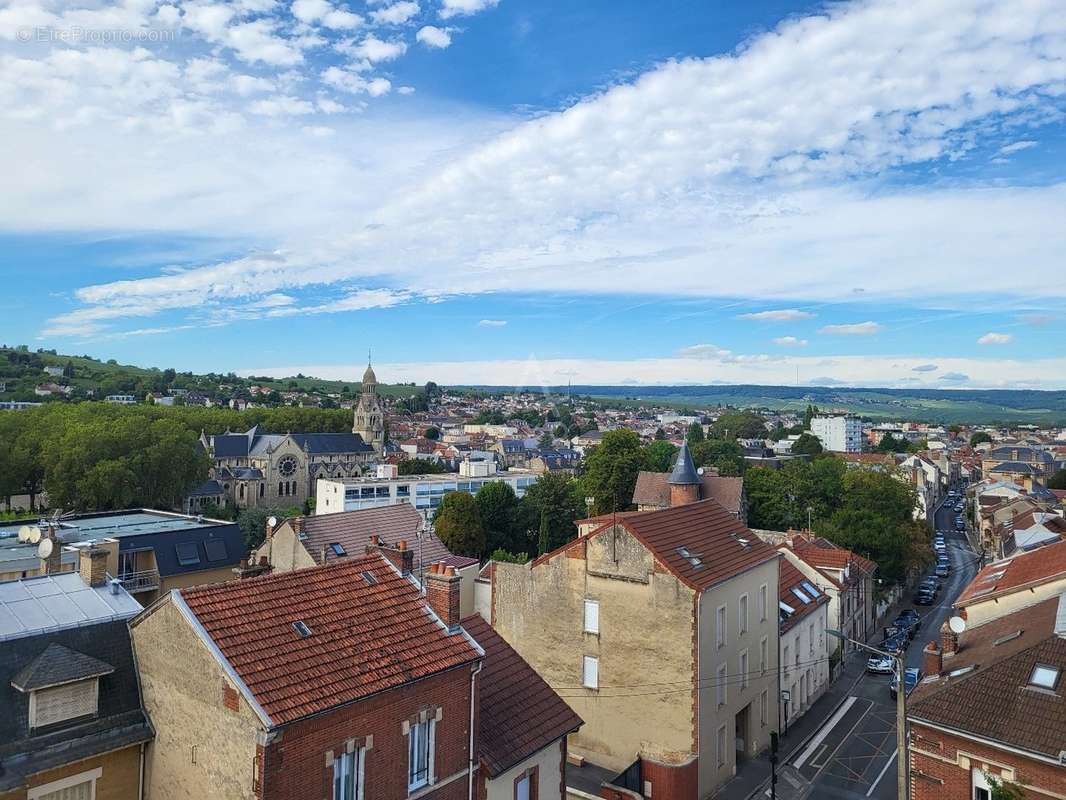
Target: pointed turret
[[685, 483]]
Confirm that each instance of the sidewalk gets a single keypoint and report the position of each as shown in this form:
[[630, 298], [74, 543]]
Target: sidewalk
[[753, 777]]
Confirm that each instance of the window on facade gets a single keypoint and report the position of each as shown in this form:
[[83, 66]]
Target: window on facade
[[348, 775], [74, 787], [61, 703], [590, 672], [721, 743], [764, 651], [742, 615], [420, 754], [188, 554], [525, 786], [592, 616], [720, 626], [744, 669], [810, 635], [763, 602], [722, 695], [281, 489], [784, 659], [262, 489], [764, 704]]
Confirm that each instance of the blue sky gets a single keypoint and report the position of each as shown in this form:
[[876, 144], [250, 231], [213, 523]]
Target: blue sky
[[865, 193]]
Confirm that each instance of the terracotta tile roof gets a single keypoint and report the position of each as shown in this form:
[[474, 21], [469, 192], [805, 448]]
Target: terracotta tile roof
[[652, 489], [992, 698], [353, 529], [821, 552], [520, 714], [1040, 566], [790, 578], [366, 637], [718, 545]]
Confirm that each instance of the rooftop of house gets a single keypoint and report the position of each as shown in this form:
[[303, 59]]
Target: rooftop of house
[[822, 553], [1005, 681], [98, 648], [363, 628], [796, 591], [653, 489], [519, 713], [50, 603], [254, 442], [1013, 574]]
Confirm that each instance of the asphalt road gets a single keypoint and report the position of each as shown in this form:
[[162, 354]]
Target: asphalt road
[[854, 754]]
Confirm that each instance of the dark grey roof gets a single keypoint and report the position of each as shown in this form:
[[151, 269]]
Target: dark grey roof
[[121, 720], [228, 551], [59, 664], [1019, 467], [208, 488], [684, 470], [1012, 453], [316, 443], [230, 445]]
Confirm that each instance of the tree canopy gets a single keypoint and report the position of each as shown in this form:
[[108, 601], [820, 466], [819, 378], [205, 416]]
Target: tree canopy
[[457, 523], [724, 455], [807, 445], [420, 466], [739, 425], [611, 471], [547, 513], [1058, 480], [979, 438], [498, 507]]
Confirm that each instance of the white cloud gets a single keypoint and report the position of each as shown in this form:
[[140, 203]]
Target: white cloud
[[925, 368], [996, 338], [1014, 147], [790, 341], [704, 351], [324, 13], [492, 323], [456, 8], [354, 83], [779, 315], [432, 36], [281, 106], [852, 329], [396, 14], [374, 49]]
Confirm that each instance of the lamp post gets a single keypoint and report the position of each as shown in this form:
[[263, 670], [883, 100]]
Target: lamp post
[[902, 754]]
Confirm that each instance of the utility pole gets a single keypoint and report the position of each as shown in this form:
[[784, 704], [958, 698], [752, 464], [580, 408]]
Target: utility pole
[[773, 765]]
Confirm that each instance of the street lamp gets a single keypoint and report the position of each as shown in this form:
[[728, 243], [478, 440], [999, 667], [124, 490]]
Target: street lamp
[[903, 756]]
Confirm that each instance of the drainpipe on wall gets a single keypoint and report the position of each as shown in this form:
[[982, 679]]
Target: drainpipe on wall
[[472, 754], [140, 775]]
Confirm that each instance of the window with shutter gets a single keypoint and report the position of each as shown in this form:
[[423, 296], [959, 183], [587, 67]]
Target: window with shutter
[[590, 672], [82, 791], [592, 616], [61, 703]]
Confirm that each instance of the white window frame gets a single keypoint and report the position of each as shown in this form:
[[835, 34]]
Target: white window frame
[[810, 635], [92, 686], [354, 764], [764, 654], [592, 616], [742, 614], [764, 601], [720, 680], [70, 781], [720, 748], [417, 730], [721, 617], [590, 672], [742, 662]]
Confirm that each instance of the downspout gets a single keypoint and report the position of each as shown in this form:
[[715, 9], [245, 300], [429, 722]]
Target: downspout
[[140, 775], [473, 756]]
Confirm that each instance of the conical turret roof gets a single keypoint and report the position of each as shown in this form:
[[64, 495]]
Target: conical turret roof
[[684, 470]]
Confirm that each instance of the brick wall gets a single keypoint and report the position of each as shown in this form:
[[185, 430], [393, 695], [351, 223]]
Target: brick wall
[[295, 765], [942, 767]]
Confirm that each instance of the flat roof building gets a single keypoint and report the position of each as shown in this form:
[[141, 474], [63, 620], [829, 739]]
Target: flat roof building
[[424, 492]]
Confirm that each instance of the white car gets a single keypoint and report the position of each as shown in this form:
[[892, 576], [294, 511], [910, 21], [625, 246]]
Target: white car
[[880, 665]]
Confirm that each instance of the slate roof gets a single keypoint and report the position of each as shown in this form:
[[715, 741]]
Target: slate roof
[[684, 471], [366, 636], [718, 545], [252, 442], [652, 489], [165, 544], [1017, 468], [56, 665], [208, 488], [994, 700], [519, 713], [121, 721], [1012, 453], [353, 529], [1011, 575]]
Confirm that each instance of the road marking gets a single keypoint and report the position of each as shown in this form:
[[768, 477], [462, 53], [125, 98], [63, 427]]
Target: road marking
[[884, 769], [825, 731], [814, 761]]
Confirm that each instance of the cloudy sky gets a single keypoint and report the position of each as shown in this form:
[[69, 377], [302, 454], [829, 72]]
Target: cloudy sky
[[515, 192]]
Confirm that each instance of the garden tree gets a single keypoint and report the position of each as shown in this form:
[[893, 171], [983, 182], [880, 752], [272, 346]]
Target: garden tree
[[954, 430], [253, 522], [508, 557], [611, 471], [660, 435], [432, 432], [918, 446], [498, 507], [739, 425], [726, 456], [808, 415], [890, 444], [560, 431], [694, 434], [546, 441], [431, 390], [979, 438], [659, 456], [420, 466], [1058, 480], [778, 433], [547, 512], [457, 523], [807, 445]]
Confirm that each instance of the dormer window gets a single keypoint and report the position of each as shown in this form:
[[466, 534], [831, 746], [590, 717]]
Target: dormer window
[[57, 704], [63, 686]]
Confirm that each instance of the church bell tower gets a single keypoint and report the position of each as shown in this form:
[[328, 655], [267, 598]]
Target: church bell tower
[[369, 421]]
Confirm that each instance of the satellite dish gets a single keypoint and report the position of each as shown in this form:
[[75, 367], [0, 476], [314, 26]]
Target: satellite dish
[[44, 549], [957, 624], [24, 533], [699, 471], [272, 522], [33, 535]]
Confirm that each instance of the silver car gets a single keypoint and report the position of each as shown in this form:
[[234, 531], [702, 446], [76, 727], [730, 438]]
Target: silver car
[[880, 665]]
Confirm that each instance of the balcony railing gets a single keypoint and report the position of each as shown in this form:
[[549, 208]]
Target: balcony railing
[[143, 581]]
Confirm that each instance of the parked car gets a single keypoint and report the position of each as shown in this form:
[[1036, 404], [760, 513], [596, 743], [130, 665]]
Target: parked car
[[942, 570], [911, 677], [895, 644], [880, 665], [924, 597], [910, 617], [930, 584]]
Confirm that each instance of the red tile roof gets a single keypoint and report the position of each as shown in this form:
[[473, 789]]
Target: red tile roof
[[366, 637], [520, 714], [652, 489], [1020, 572], [719, 546], [791, 577], [823, 553]]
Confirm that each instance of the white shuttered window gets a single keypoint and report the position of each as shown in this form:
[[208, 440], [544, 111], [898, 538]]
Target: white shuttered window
[[592, 616], [60, 703]]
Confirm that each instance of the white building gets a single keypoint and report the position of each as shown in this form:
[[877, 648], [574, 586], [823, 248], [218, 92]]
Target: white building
[[121, 399], [838, 433]]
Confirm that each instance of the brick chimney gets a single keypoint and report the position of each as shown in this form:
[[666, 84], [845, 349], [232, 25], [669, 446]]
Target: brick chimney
[[297, 525], [442, 594], [949, 641], [934, 659], [402, 558], [92, 565], [248, 569]]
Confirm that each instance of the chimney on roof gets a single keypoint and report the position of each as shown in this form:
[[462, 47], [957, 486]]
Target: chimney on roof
[[248, 569], [949, 642], [442, 594], [297, 525], [934, 658], [92, 565], [401, 558]]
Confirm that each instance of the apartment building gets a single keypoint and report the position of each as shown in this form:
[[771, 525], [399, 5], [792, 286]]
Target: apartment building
[[838, 433]]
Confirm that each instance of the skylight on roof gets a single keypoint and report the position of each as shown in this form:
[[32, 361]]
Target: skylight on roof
[[806, 600], [1045, 676], [1010, 637], [785, 607], [301, 628], [370, 578], [188, 554], [338, 549], [809, 588]]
